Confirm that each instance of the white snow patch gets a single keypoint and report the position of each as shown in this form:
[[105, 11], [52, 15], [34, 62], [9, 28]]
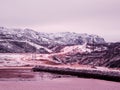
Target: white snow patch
[[76, 48]]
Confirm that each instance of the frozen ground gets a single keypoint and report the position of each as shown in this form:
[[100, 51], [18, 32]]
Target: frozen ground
[[12, 60]]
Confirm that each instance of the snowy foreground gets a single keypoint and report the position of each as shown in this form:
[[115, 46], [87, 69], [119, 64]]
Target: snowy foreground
[[11, 60], [16, 59], [22, 60]]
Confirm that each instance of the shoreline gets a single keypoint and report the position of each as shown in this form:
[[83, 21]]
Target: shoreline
[[82, 72], [109, 75]]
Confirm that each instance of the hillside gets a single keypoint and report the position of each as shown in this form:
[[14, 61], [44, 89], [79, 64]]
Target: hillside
[[107, 55]]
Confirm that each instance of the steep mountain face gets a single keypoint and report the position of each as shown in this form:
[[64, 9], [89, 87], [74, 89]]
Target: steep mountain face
[[47, 42]]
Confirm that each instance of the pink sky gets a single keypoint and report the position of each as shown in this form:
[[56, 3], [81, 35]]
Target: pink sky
[[101, 17]]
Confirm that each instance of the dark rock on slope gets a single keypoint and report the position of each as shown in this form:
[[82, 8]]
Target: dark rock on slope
[[110, 57], [19, 47]]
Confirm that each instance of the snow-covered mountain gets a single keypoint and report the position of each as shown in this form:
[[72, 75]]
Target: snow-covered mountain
[[63, 47], [39, 40]]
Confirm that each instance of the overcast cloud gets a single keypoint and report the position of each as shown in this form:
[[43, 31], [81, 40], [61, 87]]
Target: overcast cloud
[[101, 17]]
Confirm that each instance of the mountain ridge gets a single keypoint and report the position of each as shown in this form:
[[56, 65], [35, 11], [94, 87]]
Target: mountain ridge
[[47, 40]]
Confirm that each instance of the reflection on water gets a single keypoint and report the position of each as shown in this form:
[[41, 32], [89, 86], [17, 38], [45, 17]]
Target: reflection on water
[[28, 75]]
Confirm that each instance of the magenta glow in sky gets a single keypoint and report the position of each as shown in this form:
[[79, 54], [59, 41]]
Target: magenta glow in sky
[[100, 17]]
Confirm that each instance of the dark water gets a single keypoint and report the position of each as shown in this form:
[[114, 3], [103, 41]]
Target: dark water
[[29, 80], [28, 75]]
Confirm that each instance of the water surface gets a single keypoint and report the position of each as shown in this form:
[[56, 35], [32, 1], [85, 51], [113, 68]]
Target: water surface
[[29, 80]]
